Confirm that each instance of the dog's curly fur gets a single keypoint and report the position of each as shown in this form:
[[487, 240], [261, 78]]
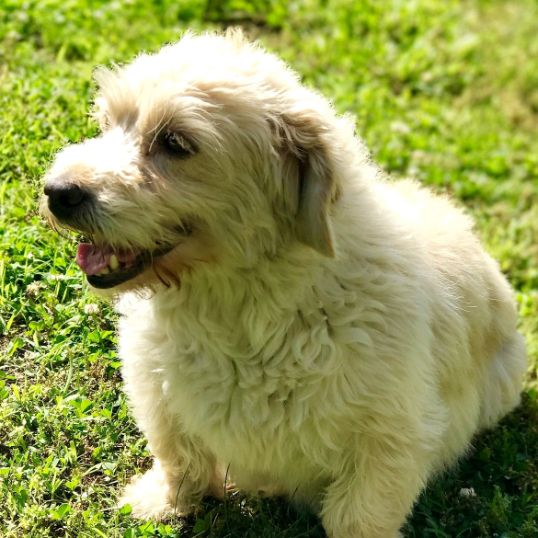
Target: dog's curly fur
[[323, 332]]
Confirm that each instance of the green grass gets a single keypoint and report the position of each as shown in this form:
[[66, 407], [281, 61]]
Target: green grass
[[445, 91]]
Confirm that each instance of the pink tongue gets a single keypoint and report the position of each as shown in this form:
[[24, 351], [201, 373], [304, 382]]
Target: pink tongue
[[92, 259]]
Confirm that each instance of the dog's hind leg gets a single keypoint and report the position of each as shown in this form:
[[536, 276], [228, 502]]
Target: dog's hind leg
[[501, 386]]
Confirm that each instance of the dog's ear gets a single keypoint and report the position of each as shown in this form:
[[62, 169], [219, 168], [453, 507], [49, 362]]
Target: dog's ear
[[314, 183]]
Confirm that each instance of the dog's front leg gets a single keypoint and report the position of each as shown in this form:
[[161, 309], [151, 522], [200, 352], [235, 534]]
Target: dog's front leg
[[183, 469], [182, 473], [373, 493]]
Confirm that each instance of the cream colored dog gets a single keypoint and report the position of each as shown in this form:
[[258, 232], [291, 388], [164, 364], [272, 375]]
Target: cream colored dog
[[286, 311]]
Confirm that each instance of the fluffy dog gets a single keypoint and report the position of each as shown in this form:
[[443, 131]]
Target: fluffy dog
[[286, 311]]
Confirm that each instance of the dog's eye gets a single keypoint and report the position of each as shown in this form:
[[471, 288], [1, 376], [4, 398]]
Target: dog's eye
[[177, 144]]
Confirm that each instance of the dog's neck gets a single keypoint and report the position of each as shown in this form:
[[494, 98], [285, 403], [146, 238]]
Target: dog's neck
[[234, 309], [271, 284]]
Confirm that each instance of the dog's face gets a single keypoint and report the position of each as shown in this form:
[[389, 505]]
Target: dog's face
[[210, 152]]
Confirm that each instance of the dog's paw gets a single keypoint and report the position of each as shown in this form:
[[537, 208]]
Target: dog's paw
[[151, 497]]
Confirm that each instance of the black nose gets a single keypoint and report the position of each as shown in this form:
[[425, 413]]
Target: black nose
[[65, 199]]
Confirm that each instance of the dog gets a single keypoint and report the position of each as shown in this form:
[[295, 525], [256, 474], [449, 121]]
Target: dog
[[288, 314]]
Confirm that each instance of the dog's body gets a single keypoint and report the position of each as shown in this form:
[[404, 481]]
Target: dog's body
[[334, 337]]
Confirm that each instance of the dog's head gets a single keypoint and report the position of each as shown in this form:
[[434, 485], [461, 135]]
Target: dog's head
[[210, 151]]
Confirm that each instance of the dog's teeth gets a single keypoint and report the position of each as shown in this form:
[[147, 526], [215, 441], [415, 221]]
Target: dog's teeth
[[114, 263], [105, 271]]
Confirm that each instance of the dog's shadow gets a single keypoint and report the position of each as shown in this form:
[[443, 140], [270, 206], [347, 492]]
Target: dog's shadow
[[491, 492]]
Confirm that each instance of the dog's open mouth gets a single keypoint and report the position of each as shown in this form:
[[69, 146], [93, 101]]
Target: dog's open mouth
[[106, 267]]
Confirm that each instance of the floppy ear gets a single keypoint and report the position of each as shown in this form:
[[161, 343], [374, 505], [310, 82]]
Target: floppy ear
[[315, 183]]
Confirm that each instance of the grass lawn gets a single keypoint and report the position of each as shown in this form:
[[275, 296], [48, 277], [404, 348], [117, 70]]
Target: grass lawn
[[445, 91]]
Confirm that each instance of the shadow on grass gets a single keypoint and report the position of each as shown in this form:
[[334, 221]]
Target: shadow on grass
[[248, 517], [502, 470], [493, 492]]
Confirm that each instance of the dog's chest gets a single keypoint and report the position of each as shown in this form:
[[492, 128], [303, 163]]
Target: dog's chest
[[222, 385], [236, 389], [258, 386]]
